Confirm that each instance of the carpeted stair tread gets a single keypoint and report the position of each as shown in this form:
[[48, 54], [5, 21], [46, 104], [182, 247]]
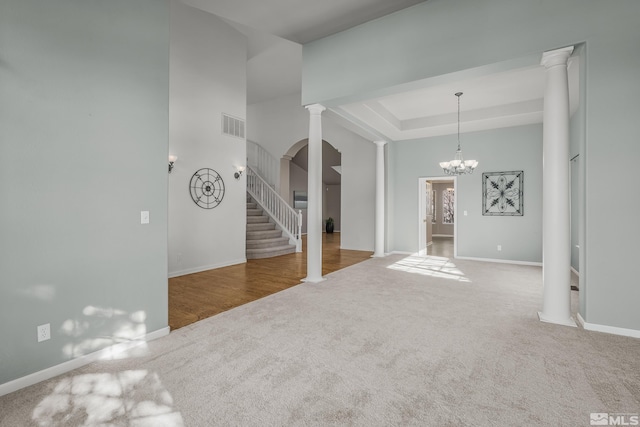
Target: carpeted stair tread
[[261, 226], [257, 219], [270, 252], [265, 234], [267, 243]]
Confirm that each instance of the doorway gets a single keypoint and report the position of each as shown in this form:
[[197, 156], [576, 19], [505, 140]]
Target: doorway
[[437, 213]]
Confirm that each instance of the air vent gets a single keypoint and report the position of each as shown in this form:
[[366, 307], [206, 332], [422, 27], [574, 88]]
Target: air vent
[[232, 126]]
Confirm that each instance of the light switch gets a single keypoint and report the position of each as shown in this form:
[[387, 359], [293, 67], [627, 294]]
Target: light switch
[[144, 217], [465, 213]]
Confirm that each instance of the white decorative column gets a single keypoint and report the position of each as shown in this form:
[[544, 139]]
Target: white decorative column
[[314, 196], [556, 239], [379, 235]]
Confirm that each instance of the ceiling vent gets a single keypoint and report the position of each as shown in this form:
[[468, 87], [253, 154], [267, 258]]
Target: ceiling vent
[[232, 126]]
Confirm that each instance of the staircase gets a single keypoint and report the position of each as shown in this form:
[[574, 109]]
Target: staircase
[[264, 240]]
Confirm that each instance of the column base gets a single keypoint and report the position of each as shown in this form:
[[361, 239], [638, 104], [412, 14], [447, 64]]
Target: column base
[[382, 255], [565, 322], [313, 279]]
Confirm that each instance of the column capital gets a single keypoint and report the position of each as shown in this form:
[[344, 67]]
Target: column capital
[[287, 157], [315, 108], [556, 57], [380, 143]]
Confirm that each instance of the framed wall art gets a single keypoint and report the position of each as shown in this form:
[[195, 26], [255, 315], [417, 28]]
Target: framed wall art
[[502, 193]]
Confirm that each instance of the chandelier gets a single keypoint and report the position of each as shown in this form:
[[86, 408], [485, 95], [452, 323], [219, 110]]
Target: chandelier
[[458, 166]]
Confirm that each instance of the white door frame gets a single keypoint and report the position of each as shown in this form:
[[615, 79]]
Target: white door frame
[[422, 206]]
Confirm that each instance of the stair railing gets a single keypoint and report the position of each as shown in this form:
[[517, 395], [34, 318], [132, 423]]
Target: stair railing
[[276, 207], [263, 163]]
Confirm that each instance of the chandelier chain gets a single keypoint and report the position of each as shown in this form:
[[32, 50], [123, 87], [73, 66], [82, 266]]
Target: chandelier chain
[[459, 94], [458, 166]]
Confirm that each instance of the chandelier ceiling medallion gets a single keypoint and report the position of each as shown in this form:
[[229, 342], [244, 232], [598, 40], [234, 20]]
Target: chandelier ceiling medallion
[[458, 166]]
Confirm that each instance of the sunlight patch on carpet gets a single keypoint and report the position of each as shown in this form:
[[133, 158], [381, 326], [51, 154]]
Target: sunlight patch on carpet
[[134, 397], [433, 266]]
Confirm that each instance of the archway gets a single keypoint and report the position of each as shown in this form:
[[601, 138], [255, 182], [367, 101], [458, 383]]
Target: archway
[[293, 181]]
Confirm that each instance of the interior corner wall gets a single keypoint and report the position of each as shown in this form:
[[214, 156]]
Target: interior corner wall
[[418, 43], [478, 236], [208, 78], [280, 123], [83, 130]]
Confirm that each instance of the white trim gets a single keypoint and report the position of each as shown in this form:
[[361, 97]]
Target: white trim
[[575, 271], [502, 261], [443, 235], [78, 362], [566, 322], [633, 333], [422, 205], [580, 320], [205, 268], [401, 253], [385, 254]]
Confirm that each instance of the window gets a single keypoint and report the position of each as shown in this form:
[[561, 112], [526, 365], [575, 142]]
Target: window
[[448, 206]]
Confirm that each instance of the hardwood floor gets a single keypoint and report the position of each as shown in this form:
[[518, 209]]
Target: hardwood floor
[[200, 295], [441, 246]]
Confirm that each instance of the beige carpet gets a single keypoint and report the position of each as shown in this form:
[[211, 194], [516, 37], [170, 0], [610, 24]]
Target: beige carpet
[[389, 342]]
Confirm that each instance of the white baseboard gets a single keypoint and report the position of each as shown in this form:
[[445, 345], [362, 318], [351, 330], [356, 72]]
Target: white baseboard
[[78, 362], [442, 235], [401, 253], [501, 261], [576, 272], [633, 333], [205, 268]]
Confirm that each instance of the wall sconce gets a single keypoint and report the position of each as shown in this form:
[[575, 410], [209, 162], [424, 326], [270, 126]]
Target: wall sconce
[[172, 160], [238, 174]]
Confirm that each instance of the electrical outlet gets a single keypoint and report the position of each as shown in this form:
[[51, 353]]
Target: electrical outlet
[[499, 247], [144, 217], [44, 332]]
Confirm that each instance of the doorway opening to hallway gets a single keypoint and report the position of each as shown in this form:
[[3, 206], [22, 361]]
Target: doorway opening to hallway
[[437, 215]]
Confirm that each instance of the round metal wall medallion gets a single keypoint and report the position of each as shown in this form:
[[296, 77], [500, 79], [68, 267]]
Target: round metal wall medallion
[[206, 188]]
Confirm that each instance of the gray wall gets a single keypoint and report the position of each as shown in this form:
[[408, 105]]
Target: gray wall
[[83, 135], [401, 50], [508, 149], [202, 88], [331, 204]]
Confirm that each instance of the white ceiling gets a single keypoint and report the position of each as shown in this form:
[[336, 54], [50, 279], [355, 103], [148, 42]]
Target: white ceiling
[[276, 30], [509, 98], [301, 21]]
